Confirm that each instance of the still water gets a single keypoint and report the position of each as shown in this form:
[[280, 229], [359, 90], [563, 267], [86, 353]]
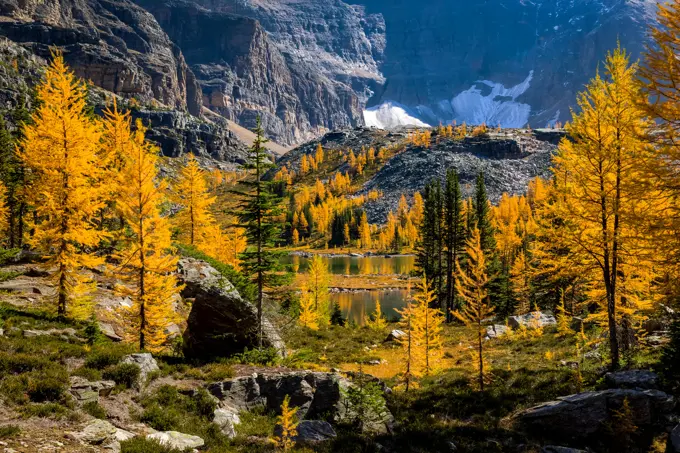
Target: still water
[[357, 265], [356, 306]]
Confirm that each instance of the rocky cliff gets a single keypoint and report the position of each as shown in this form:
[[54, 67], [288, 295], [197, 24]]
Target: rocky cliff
[[499, 61], [304, 67]]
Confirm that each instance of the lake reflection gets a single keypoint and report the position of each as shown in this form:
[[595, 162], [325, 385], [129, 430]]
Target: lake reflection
[[356, 306], [356, 265]]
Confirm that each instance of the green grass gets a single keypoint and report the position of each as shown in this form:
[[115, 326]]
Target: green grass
[[7, 431]]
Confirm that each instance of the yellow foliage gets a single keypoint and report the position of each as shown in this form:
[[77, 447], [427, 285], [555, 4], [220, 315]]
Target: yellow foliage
[[4, 211], [315, 292], [59, 151], [377, 321], [288, 422], [146, 262]]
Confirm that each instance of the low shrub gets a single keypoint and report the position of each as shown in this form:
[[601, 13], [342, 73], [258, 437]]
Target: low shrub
[[160, 418], [218, 372], [13, 389], [48, 384], [266, 357], [103, 357], [95, 409], [125, 374], [144, 445], [21, 363], [7, 431], [45, 410], [91, 374], [204, 403]]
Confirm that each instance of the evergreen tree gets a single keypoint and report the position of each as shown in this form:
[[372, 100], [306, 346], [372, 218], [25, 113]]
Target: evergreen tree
[[454, 235], [60, 151], [429, 248], [258, 215]]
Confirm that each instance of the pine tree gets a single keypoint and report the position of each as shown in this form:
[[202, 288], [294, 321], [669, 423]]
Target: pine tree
[[146, 263], [60, 151], [454, 233], [472, 287], [429, 250], [259, 212], [191, 193]]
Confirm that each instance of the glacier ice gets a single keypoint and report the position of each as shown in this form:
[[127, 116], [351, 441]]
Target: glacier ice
[[391, 114]]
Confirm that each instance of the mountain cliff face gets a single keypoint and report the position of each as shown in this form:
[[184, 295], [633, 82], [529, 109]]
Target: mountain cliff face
[[511, 62], [305, 67]]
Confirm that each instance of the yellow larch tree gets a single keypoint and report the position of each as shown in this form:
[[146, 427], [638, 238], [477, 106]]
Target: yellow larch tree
[[59, 150], [520, 276], [316, 289], [4, 212], [599, 195], [472, 287], [426, 329], [115, 151], [146, 263], [194, 220], [364, 232], [412, 357], [309, 315], [376, 321], [288, 423], [319, 154]]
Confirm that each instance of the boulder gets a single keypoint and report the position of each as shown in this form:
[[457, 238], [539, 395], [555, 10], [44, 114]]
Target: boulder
[[532, 320], [85, 391], [221, 322], [311, 431], [177, 440], [395, 335], [632, 379], [557, 449], [109, 332], [96, 432], [673, 443], [496, 330], [227, 421], [68, 333], [583, 415], [315, 394], [146, 363]]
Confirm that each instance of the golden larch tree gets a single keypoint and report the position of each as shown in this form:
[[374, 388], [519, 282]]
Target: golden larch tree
[[59, 151], [191, 193], [288, 423], [316, 289], [600, 197], [4, 212], [146, 262], [309, 315], [425, 332], [472, 286]]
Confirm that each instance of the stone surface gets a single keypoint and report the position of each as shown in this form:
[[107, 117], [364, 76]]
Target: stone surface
[[146, 363], [632, 379], [109, 332], [583, 415], [315, 394], [96, 432], [673, 443], [226, 420], [531, 320], [85, 391], [311, 431], [221, 322], [174, 439], [395, 335], [496, 331]]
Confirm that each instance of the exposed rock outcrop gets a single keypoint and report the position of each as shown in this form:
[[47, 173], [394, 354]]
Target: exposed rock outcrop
[[146, 363], [304, 67], [114, 43], [311, 431], [221, 322], [632, 379], [579, 417], [536, 319], [176, 440]]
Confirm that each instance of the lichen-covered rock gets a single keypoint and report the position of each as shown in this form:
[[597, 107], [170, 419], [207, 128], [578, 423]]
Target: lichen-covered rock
[[227, 420], [496, 331], [536, 319], [221, 322], [632, 379], [146, 363], [177, 440], [580, 416], [85, 391], [311, 431]]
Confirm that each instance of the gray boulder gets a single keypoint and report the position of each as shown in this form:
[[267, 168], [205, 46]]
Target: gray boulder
[[84, 391], [496, 330], [557, 449], [533, 319], [96, 432], [177, 440], [221, 322], [227, 421], [311, 431], [580, 416], [109, 332], [673, 443], [146, 363], [395, 335], [632, 379]]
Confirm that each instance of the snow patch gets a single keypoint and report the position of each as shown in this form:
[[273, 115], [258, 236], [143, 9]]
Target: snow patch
[[498, 107], [390, 115]]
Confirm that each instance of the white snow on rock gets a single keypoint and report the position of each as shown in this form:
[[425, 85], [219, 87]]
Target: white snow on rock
[[391, 114], [500, 106]]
